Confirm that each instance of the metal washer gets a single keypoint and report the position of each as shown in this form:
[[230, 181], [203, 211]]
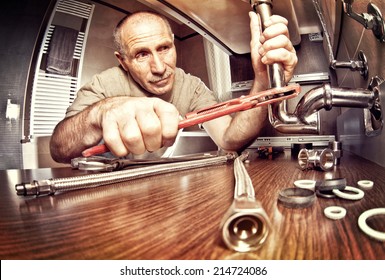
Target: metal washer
[[296, 197]]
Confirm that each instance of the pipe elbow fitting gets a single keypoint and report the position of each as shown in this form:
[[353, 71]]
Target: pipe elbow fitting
[[314, 100]]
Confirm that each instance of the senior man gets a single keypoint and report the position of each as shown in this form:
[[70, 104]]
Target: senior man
[[135, 107]]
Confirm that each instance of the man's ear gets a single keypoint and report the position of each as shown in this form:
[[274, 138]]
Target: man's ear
[[120, 59]]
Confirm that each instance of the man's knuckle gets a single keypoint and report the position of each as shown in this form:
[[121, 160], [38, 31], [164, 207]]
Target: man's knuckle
[[131, 139]]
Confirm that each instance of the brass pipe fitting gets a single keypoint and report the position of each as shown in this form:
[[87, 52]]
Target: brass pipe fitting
[[316, 159]]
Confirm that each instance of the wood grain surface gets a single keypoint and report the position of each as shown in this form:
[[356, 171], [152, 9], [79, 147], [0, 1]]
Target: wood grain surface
[[177, 216]]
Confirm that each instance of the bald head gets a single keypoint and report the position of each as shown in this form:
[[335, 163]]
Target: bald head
[[145, 49], [134, 20]]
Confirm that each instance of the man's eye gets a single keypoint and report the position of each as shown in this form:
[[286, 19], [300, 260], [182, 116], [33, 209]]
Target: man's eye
[[141, 55], [164, 49]]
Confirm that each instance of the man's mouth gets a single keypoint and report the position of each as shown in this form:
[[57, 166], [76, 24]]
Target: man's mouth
[[161, 82]]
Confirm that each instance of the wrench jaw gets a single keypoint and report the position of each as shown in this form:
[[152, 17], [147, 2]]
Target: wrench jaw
[[245, 226]]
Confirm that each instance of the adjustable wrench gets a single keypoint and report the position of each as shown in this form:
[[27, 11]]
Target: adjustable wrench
[[242, 103]]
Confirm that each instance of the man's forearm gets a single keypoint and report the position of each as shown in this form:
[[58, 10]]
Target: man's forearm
[[236, 132], [245, 127], [72, 135]]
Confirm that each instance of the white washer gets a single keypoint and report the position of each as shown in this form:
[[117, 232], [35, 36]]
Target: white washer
[[368, 230], [358, 194], [305, 184], [335, 212], [365, 184]]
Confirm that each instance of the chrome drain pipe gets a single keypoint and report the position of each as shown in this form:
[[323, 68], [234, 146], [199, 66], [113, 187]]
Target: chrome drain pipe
[[245, 226], [51, 186]]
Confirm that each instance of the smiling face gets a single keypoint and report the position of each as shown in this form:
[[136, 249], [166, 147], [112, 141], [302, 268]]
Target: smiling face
[[149, 52]]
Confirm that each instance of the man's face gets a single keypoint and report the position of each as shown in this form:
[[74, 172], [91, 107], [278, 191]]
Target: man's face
[[150, 55]]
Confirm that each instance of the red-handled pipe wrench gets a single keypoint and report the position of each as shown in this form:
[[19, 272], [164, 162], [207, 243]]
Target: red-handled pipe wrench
[[242, 103]]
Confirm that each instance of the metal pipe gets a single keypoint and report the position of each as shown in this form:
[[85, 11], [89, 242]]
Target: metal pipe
[[245, 226], [304, 120], [275, 71], [325, 97], [51, 186]]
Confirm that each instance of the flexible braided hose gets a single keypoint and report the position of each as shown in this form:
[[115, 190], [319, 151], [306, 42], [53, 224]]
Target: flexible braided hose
[[51, 186]]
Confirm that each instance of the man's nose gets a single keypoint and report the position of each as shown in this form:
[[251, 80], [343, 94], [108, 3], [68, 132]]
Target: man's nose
[[157, 64]]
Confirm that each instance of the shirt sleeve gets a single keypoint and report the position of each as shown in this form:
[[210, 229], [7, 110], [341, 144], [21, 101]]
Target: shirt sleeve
[[87, 95], [203, 97], [109, 83]]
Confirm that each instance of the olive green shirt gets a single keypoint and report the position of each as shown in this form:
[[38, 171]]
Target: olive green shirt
[[188, 94]]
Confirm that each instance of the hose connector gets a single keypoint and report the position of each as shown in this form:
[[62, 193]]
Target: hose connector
[[245, 225], [41, 187]]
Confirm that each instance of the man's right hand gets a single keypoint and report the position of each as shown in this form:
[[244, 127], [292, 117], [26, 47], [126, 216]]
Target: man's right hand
[[137, 124], [126, 124]]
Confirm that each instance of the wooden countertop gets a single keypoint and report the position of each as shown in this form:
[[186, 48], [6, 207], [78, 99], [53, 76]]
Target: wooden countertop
[[177, 215]]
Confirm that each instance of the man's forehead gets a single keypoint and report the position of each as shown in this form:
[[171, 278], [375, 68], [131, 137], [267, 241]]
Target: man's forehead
[[141, 32], [143, 39], [143, 26], [138, 20]]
